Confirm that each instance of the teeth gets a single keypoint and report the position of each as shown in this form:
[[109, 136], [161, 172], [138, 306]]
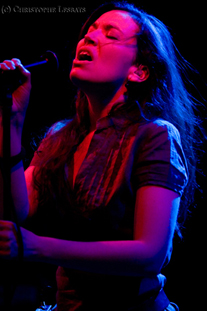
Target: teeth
[[84, 56], [84, 53]]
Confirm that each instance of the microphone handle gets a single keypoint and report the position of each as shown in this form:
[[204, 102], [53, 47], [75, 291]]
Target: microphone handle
[[10, 80]]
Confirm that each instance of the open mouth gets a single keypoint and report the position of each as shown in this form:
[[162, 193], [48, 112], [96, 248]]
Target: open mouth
[[84, 56]]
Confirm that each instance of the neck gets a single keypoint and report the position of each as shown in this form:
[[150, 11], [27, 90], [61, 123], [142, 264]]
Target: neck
[[100, 103]]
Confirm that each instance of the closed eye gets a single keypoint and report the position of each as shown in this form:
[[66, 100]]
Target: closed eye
[[111, 37], [111, 31], [112, 34]]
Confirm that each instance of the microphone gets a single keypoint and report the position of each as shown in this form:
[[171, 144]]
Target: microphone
[[10, 80], [48, 58]]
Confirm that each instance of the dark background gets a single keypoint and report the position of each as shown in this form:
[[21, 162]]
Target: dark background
[[27, 36]]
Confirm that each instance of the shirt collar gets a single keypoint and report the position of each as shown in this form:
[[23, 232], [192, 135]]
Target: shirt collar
[[120, 116]]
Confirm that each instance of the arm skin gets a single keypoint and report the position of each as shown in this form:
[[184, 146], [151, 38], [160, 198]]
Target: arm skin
[[154, 226], [20, 99], [143, 256]]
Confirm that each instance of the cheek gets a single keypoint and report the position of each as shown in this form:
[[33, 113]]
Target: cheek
[[79, 45], [118, 60]]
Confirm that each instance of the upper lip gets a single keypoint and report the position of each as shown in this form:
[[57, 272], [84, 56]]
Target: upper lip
[[86, 50]]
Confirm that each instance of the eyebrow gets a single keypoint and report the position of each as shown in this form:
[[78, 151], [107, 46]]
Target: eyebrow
[[106, 26]]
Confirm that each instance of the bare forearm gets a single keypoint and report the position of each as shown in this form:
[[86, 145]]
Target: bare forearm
[[20, 100], [18, 185], [19, 192], [15, 133], [109, 257]]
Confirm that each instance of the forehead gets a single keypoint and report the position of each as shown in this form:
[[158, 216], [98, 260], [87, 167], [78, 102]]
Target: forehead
[[120, 19]]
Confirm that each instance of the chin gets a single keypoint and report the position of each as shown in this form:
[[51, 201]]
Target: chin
[[75, 78]]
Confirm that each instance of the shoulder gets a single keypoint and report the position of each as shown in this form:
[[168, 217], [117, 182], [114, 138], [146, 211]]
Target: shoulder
[[160, 159], [160, 140], [160, 125], [163, 125], [56, 127], [51, 141], [158, 129]]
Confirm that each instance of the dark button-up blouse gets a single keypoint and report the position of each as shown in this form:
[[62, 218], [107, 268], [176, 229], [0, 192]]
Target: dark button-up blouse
[[125, 153]]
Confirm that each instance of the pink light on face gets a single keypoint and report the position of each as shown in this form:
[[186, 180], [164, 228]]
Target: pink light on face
[[107, 51]]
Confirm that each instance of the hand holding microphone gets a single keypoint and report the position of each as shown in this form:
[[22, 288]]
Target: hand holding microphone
[[17, 79], [20, 96]]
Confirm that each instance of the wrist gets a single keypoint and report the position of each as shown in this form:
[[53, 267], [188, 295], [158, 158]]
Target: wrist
[[16, 137], [41, 248], [32, 246], [14, 160], [17, 119], [16, 142]]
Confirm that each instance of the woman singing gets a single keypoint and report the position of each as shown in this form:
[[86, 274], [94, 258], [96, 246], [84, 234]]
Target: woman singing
[[107, 185]]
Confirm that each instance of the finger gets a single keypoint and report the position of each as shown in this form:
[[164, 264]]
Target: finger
[[6, 252], [3, 224], [4, 66], [16, 61], [6, 223], [22, 69], [6, 226], [4, 237], [10, 64]]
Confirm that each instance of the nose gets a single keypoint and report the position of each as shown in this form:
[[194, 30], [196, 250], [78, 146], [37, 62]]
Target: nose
[[91, 38]]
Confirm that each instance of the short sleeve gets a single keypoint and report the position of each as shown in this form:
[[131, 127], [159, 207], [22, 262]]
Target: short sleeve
[[160, 159]]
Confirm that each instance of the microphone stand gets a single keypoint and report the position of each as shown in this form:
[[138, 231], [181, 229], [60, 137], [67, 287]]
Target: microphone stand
[[6, 170], [6, 89], [8, 205], [9, 82]]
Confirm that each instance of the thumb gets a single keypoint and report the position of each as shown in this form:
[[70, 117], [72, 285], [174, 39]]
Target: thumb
[[22, 69]]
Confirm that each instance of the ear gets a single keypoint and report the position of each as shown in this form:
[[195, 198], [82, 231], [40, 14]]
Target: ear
[[139, 73]]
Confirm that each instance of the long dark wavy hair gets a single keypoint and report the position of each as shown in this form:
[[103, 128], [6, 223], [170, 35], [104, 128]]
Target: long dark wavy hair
[[162, 95]]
